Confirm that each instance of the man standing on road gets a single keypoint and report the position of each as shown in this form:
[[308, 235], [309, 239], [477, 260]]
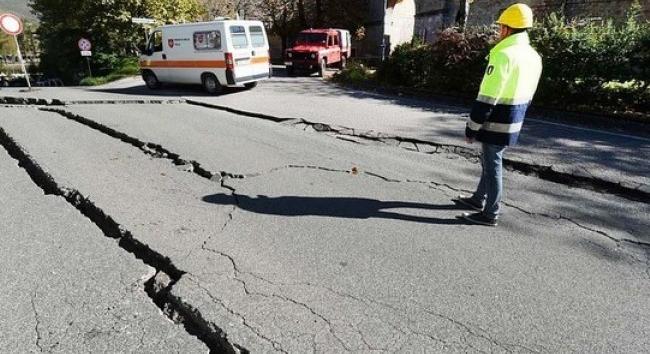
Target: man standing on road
[[497, 116]]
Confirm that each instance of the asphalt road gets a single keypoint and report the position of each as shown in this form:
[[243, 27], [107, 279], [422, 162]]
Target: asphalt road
[[620, 157], [67, 287], [278, 238]]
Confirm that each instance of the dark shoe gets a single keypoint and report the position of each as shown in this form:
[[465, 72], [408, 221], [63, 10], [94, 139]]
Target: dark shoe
[[480, 219], [468, 203]]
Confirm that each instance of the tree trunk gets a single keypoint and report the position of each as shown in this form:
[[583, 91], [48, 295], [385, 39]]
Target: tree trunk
[[319, 14], [463, 14], [302, 16]]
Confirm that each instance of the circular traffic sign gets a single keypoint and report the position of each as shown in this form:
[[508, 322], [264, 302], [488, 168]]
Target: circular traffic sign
[[11, 24], [84, 45]]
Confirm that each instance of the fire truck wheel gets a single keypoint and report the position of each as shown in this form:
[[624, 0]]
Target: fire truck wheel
[[291, 71], [211, 85], [322, 68], [151, 80]]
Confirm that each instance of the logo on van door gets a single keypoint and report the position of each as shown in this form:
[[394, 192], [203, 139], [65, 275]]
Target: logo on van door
[[171, 43]]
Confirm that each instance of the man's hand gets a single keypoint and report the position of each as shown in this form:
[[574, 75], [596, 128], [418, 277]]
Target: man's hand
[[469, 140]]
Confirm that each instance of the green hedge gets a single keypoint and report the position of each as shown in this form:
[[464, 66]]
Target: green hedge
[[119, 69], [601, 68]]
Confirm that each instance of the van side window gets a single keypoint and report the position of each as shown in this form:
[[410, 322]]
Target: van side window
[[336, 40], [330, 41], [238, 36], [257, 36], [155, 42], [209, 40]]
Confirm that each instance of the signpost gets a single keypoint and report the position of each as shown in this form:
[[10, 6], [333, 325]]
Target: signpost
[[144, 21], [13, 26], [85, 46]]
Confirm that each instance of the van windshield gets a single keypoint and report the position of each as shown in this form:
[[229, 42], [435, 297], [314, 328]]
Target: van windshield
[[311, 38]]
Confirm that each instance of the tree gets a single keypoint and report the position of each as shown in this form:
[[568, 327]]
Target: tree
[[232, 8], [106, 23], [287, 17], [282, 16], [463, 13]]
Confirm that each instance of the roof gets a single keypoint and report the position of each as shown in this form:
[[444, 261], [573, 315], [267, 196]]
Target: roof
[[207, 23]]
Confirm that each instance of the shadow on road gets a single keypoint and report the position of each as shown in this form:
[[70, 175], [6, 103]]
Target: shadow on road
[[168, 90], [336, 207]]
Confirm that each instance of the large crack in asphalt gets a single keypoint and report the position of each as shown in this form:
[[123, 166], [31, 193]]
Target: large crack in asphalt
[[158, 151], [544, 172], [159, 287], [174, 308], [31, 101]]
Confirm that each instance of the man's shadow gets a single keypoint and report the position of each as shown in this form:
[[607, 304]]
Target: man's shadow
[[336, 207]]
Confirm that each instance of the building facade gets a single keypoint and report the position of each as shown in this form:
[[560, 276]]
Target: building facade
[[393, 22]]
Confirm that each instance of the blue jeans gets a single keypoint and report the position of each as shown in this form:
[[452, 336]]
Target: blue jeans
[[490, 188]]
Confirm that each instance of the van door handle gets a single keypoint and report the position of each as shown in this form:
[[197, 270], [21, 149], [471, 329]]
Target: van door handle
[[165, 56]]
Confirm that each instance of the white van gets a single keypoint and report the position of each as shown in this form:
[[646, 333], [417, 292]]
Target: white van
[[217, 54]]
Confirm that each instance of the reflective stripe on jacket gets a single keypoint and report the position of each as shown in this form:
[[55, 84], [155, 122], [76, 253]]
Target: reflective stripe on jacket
[[507, 89]]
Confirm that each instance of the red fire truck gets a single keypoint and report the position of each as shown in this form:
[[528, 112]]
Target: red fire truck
[[316, 49]]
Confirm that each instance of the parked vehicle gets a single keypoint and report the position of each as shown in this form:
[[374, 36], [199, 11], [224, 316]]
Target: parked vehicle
[[316, 49], [216, 54]]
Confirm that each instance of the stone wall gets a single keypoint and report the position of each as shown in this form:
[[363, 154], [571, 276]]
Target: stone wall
[[486, 12], [431, 16]]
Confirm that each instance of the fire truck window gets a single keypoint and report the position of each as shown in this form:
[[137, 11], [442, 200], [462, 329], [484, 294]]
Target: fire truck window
[[238, 36], [257, 36], [210, 40], [155, 43]]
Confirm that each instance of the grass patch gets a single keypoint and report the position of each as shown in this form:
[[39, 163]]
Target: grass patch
[[124, 68]]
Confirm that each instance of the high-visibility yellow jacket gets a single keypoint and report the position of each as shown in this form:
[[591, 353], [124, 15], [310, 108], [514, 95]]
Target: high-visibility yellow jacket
[[508, 87]]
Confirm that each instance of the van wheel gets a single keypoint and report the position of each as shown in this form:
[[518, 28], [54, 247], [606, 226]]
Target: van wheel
[[322, 68], [250, 85], [151, 80], [344, 63], [211, 85]]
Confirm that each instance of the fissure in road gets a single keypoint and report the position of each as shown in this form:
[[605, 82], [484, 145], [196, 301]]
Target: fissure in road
[[177, 310], [524, 167], [158, 151], [547, 173], [158, 290]]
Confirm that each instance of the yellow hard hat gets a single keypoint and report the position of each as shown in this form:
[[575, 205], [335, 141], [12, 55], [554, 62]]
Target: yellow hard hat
[[517, 16]]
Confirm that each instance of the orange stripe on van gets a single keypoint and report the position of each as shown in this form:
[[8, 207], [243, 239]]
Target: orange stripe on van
[[219, 64], [260, 60], [188, 64]]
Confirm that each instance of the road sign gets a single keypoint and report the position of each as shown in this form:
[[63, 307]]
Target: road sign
[[11, 24], [86, 53], [143, 21], [84, 44]]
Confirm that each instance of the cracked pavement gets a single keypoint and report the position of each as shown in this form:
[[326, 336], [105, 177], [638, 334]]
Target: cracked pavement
[[68, 288], [287, 240]]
